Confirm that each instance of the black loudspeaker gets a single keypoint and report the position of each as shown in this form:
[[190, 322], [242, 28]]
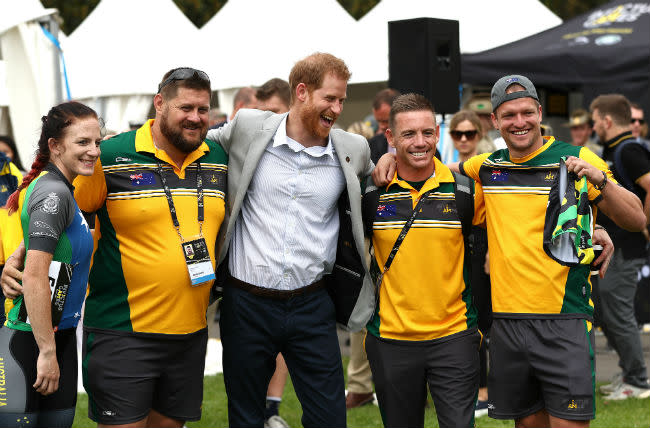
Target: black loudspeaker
[[424, 57]]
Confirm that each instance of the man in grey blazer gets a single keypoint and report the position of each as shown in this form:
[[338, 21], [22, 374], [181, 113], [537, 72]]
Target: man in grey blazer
[[295, 216]]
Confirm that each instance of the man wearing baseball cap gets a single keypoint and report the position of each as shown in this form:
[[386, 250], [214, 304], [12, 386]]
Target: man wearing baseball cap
[[541, 346]]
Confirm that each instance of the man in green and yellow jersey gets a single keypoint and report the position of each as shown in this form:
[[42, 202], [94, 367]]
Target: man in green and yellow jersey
[[541, 348], [424, 330]]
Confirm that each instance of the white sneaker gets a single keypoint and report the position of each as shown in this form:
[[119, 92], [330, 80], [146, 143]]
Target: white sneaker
[[275, 421], [625, 391], [617, 380]]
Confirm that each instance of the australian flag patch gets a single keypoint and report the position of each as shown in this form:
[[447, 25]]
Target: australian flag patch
[[386, 210], [142, 179], [498, 175]]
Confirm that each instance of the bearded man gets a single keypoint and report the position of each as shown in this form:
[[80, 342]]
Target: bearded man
[[294, 189], [159, 195]]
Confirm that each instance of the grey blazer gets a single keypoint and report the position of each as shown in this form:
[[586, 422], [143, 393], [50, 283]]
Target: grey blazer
[[246, 138]]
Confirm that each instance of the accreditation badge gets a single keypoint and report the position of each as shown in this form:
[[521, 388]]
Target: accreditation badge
[[197, 259]]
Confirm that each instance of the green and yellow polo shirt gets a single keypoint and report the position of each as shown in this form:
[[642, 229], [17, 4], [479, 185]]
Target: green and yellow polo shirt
[[426, 293], [139, 280], [526, 282]]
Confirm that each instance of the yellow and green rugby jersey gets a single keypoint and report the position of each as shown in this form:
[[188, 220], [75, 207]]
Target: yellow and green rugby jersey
[[526, 282], [139, 280], [426, 293]]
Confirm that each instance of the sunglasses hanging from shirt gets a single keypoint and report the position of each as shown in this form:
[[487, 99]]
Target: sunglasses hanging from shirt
[[195, 251]]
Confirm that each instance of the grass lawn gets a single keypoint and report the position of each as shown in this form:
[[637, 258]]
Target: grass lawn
[[628, 413]]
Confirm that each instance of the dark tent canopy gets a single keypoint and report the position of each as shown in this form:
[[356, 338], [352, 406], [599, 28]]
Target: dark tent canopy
[[606, 50]]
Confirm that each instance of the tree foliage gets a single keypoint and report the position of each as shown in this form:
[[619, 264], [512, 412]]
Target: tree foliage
[[199, 12]]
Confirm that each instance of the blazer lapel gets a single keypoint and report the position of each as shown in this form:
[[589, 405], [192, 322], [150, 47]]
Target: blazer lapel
[[353, 186]]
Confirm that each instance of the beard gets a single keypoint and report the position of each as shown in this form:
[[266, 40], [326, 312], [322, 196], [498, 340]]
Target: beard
[[310, 118], [175, 134]]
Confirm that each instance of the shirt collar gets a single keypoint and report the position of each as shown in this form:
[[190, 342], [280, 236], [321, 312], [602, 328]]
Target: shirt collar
[[282, 139], [616, 140], [441, 174]]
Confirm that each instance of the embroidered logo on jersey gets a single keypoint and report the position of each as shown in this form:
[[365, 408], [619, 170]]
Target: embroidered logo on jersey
[[4, 189], [214, 179], [51, 204], [447, 209], [386, 210], [498, 175], [121, 159], [549, 177], [142, 179]]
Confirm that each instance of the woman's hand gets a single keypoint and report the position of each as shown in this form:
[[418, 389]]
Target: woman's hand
[[47, 373]]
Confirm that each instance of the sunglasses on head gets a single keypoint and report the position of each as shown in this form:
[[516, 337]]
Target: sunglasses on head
[[183, 73], [641, 121], [457, 135]]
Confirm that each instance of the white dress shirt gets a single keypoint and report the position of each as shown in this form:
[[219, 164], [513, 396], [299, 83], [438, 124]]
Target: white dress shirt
[[285, 236]]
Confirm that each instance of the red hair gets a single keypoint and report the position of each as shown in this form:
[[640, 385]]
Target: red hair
[[54, 124]]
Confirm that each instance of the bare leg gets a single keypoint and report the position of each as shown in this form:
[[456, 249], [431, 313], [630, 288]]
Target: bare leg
[[279, 379], [536, 420]]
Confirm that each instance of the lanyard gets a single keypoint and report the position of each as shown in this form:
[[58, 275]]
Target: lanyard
[[170, 201]]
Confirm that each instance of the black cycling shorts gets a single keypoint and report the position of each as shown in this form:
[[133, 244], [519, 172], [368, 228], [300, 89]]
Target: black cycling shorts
[[18, 398]]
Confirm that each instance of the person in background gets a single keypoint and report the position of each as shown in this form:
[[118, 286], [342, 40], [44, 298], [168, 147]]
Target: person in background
[[244, 98], [274, 95], [38, 344], [380, 110], [465, 129], [216, 117], [10, 228], [630, 162], [580, 127], [481, 105], [639, 126], [359, 390], [8, 147]]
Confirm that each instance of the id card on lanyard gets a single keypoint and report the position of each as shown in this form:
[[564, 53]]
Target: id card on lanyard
[[195, 251]]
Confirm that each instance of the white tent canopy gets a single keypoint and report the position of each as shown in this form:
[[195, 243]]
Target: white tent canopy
[[30, 69], [254, 40], [120, 52], [124, 47]]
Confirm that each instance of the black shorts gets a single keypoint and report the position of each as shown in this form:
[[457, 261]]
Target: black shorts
[[540, 364], [127, 375], [18, 356]]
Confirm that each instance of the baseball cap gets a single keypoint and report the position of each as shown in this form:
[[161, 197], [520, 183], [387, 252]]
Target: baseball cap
[[499, 96], [578, 117]]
